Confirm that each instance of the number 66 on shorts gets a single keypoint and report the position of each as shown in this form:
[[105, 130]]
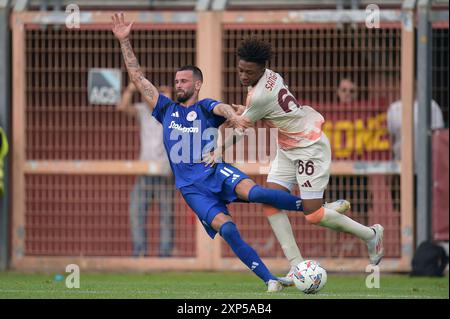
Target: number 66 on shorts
[[308, 167]]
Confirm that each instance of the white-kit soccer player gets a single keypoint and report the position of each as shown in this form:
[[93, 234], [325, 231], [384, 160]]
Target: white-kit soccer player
[[303, 154]]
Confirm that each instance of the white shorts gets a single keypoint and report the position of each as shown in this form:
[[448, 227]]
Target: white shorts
[[309, 167]]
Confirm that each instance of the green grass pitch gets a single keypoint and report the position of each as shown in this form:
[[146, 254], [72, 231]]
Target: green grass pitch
[[212, 285]]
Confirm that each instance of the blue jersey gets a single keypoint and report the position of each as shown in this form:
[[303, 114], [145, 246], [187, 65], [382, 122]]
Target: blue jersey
[[188, 132]]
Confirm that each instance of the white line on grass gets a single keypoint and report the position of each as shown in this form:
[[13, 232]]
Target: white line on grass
[[146, 292]]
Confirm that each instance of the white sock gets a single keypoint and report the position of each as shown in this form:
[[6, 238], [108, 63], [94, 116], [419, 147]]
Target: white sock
[[339, 222], [283, 231]]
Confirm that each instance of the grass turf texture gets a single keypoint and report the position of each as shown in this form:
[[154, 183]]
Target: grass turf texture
[[211, 285]]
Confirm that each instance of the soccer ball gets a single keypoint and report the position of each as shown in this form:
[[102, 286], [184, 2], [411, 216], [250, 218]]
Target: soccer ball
[[309, 276]]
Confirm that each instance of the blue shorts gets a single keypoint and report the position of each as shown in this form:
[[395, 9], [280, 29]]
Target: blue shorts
[[209, 196]]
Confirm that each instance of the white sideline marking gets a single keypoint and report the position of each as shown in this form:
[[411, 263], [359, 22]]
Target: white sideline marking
[[149, 292]]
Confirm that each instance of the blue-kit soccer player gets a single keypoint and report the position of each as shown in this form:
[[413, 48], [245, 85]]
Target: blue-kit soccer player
[[190, 128]]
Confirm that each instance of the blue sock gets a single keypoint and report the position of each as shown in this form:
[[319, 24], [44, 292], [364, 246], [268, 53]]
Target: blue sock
[[246, 254], [274, 197]]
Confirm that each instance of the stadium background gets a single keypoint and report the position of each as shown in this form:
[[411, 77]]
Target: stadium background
[[73, 164]]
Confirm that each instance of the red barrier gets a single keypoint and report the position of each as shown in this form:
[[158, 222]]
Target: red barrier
[[440, 184]]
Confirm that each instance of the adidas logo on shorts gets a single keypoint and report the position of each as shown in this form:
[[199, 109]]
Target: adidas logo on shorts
[[306, 184], [228, 172]]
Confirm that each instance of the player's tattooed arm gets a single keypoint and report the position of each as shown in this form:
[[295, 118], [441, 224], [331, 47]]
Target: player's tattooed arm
[[225, 110], [233, 118], [145, 87], [122, 32]]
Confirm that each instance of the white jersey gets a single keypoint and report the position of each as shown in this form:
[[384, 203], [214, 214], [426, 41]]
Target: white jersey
[[394, 124], [270, 100]]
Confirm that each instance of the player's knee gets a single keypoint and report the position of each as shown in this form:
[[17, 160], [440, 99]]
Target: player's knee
[[228, 230], [316, 216], [255, 193], [270, 210], [244, 188]]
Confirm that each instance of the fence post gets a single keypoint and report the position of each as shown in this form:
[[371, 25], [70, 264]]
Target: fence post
[[407, 150], [18, 138], [209, 60], [423, 155]]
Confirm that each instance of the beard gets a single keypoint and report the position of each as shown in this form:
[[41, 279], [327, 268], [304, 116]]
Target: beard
[[184, 96]]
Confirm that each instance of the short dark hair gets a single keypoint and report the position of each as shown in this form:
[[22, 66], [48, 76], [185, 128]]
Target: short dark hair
[[255, 50], [195, 70], [348, 77]]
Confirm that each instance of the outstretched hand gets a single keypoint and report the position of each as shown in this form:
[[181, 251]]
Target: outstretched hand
[[120, 29]]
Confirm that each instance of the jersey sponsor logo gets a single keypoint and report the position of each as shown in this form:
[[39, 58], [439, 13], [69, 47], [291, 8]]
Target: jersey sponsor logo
[[184, 147], [191, 116], [183, 129]]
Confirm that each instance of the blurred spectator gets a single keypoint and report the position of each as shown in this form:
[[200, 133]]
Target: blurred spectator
[[146, 187], [347, 91], [394, 123], [356, 193]]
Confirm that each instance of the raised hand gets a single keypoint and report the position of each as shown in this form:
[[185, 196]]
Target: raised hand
[[120, 29]]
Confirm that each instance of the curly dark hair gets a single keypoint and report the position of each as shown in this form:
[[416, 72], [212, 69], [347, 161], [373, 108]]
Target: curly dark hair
[[255, 50]]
